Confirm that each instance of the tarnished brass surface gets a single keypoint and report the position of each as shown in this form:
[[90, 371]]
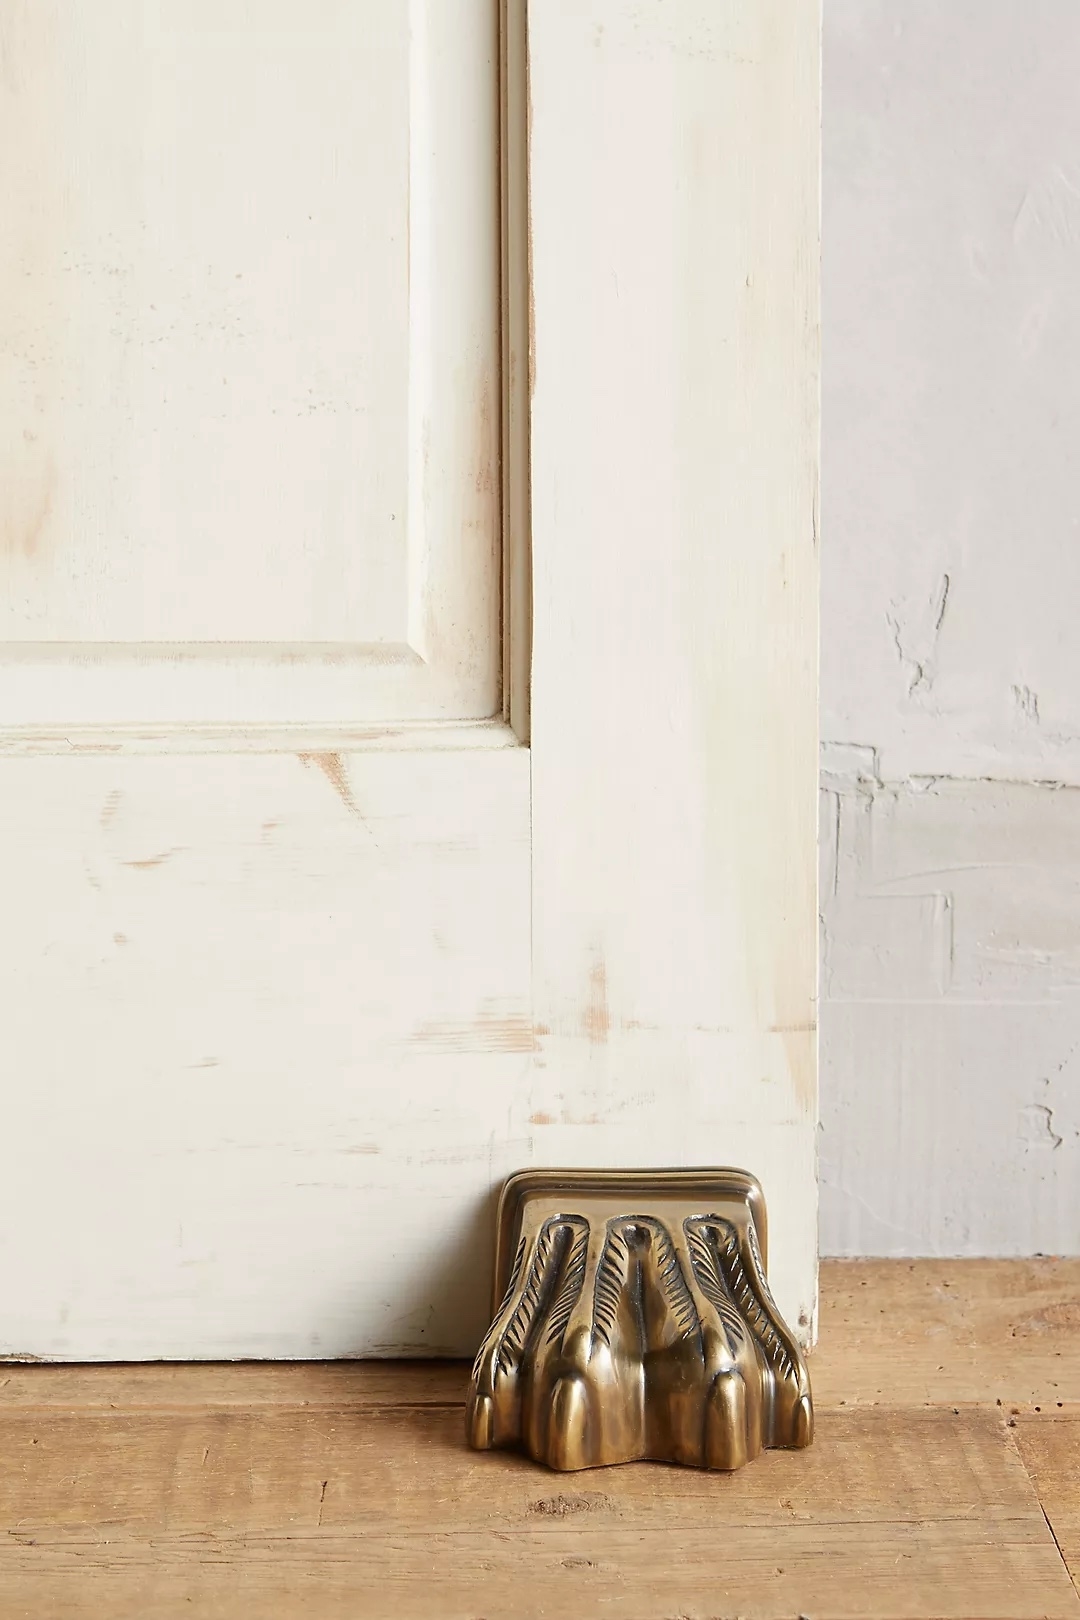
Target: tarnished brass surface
[[635, 1321]]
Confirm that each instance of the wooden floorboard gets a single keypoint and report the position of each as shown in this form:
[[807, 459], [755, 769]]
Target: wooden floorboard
[[1050, 1446], [944, 1482], [159, 1385], [949, 1332]]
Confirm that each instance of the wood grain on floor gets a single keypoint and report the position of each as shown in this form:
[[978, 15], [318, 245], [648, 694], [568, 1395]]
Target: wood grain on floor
[[346, 1490], [956, 1331], [1050, 1446]]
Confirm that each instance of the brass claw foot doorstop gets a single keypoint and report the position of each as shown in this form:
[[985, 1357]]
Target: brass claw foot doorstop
[[635, 1321]]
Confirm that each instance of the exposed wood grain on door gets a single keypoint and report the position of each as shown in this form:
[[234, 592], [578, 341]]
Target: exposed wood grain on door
[[486, 1033], [333, 768], [148, 862], [26, 536], [800, 1051], [596, 1017]]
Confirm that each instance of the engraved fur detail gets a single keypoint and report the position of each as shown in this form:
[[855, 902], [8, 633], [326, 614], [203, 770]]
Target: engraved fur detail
[[573, 1276], [750, 1299], [611, 1277], [506, 1339], [515, 1273], [701, 1240], [671, 1277]]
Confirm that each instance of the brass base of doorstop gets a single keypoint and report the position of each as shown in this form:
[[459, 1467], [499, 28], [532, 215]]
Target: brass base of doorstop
[[636, 1322]]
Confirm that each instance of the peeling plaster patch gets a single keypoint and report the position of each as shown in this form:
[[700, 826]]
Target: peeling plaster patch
[[828, 846], [915, 642], [1037, 1126], [845, 764], [943, 602], [1027, 702], [1000, 860], [913, 669]]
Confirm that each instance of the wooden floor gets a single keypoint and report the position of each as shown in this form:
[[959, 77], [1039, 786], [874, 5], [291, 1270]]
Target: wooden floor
[[944, 1481]]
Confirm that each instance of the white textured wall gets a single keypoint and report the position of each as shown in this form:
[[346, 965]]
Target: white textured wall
[[950, 637]]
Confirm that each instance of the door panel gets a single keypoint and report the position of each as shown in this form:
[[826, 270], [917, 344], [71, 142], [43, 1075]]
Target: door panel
[[265, 1048], [249, 408]]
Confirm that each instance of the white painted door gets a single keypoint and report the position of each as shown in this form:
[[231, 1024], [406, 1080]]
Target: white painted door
[[309, 937]]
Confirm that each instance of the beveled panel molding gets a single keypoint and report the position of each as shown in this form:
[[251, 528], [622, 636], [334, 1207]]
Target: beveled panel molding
[[636, 1322]]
